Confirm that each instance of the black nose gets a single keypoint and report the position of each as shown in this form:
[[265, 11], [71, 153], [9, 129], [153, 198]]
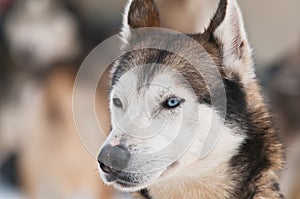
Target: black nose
[[113, 159]]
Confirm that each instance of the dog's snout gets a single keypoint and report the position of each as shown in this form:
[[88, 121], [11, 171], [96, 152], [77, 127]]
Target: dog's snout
[[113, 159]]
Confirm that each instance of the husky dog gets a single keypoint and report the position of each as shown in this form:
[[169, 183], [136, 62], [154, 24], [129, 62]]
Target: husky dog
[[246, 160]]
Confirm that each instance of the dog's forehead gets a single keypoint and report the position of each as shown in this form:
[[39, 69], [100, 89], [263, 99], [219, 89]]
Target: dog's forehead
[[153, 79], [159, 61]]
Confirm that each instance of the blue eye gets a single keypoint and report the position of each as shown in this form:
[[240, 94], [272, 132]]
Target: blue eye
[[172, 102]]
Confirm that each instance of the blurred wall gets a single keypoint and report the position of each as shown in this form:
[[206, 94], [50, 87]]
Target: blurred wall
[[273, 27]]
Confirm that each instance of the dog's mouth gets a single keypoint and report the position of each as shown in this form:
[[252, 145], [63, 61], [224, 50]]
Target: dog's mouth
[[123, 184], [119, 181], [124, 181]]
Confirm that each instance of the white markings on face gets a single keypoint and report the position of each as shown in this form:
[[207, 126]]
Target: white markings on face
[[144, 114]]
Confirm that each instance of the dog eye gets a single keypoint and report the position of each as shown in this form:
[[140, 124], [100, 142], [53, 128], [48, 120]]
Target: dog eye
[[172, 102], [117, 102]]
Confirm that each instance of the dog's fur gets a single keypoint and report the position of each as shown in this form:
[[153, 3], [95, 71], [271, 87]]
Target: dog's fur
[[246, 161]]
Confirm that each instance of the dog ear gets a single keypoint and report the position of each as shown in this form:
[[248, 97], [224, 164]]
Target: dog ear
[[141, 13], [227, 30]]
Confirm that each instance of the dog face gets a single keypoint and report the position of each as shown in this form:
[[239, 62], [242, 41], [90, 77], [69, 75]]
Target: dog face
[[161, 108], [146, 119]]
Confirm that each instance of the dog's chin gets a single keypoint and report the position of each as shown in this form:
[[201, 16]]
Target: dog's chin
[[121, 185], [128, 186]]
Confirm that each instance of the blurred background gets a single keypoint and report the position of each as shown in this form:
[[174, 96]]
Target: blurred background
[[43, 43]]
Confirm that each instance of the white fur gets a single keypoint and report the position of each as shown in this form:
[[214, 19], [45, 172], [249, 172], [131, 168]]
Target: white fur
[[125, 30], [210, 175], [226, 33]]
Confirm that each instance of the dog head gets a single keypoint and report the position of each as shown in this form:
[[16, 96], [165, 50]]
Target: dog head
[[161, 106]]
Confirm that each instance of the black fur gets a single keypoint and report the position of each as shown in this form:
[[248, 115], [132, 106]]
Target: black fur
[[253, 157], [145, 194], [217, 19]]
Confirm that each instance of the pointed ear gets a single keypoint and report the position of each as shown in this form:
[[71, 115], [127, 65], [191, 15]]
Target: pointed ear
[[227, 30], [140, 14]]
